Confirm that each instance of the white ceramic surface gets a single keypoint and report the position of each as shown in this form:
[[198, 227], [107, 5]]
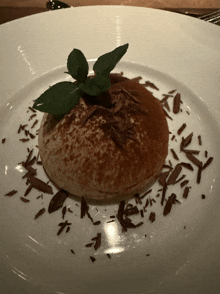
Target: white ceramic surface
[[173, 52]]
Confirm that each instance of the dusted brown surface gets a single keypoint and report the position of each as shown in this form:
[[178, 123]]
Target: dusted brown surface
[[86, 162]]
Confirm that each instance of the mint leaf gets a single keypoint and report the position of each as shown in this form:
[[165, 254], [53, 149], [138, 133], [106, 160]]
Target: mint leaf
[[107, 62], [62, 97], [58, 99], [77, 65], [96, 85]]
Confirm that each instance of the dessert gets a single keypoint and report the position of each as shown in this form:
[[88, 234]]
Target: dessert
[[110, 145]]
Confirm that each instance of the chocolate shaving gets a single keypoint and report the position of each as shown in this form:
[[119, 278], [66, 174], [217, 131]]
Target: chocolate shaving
[[31, 135], [176, 103], [89, 114], [24, 199], [89, 245], [162, 178], [196, 152], [174, 154], [92, 258], [97, 240], [28, 190], [139, 224], [146, 193], [11, 193], [32, 109], [136, 108], [171, 200], [118, 140], [181, 129], [186, 192], [63, 212], [32, 116], [28, 158], [40, 185], [136, 79], [84, 207], [147, 202], [185, 142], [89, 216], [166, 114], [32, 161], [148, 83], [152, 217], [174, 174], [124, 221], [172, 91], [199, 175], [40, 212], [111, 221], [72, 251], [166, 105], [184, 183], [21, 128], [3, 140], [208, 162], [200, 140], [96, 223], [193, 159], [187, 165], [63, 225], [127, 221], [130, 95], [57, 200], [166, 96], [163, 193], [24, 140], [109, 256], [137, 198], [167, 166], [31, 170], [180, 179], [40, 197], [118, 107], [131, 211], [34, 124], [120, 215]]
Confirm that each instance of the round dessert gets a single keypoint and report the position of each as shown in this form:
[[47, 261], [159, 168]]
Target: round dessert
[[109, 146]]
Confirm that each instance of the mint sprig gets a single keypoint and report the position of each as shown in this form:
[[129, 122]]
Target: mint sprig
[[60, 98]]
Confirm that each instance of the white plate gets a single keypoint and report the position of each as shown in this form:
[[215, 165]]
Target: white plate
[[172, 51]]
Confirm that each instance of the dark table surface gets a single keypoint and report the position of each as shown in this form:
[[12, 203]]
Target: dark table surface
[[8, 13]]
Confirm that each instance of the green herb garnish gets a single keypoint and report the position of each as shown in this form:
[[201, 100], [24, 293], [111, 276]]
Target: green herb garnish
[[60, 98]]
